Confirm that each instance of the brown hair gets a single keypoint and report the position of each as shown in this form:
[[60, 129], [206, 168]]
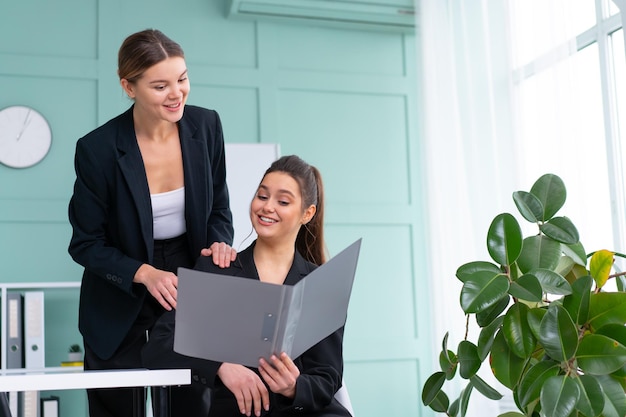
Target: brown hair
[[142, 50], [310, 240]]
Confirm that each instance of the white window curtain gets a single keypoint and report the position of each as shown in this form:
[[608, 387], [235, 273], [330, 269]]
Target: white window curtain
[[469, 149]]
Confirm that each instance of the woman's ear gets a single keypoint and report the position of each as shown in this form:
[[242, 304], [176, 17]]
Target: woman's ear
[[128, 88], [308, 214]]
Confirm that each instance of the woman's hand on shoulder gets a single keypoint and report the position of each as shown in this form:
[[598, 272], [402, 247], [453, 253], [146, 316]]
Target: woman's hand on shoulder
[[246, 386], [223, 254], [160, 284], [280, 374]]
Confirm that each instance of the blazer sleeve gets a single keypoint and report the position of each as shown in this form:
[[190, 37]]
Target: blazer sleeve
[[321, 376], [220, 223], [158, 353], [89, 215]]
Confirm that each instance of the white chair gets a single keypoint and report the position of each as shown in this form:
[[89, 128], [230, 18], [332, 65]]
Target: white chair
[[343, 398]]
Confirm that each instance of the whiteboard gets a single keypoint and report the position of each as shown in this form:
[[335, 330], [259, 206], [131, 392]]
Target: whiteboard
[[245, 165]]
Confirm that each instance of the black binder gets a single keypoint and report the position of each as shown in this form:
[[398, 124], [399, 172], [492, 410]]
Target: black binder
[[15, 329]]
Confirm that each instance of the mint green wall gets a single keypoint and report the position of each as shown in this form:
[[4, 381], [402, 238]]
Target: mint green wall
[[343, 99]]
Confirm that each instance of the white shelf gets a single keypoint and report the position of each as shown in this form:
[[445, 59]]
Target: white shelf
[[4, 287]]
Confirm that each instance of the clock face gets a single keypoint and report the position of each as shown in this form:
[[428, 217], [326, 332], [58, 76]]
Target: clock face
[[25, 137]]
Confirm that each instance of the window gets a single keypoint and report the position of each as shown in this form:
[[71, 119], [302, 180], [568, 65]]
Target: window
[[570, 81]]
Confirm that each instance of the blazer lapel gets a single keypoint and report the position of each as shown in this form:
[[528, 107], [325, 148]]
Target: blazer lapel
[[132, 168], [197, 183]]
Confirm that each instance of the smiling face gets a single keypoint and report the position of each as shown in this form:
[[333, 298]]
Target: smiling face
[[161, 92], [276, 210]]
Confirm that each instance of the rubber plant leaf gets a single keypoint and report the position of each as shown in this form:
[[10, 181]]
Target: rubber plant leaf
[[607, 308], [482, 290], [484, 388], [560, 229], [535, 315], [526, 287], [577, 303], [550, 190], [616, 332], [469, 362], [529, 387], [551, 282], [539, 252], [558, 334], [517, 331], [559, 396], [529, 206], [600, 355], [486, 337], [576, 252], [591, 400], [464, 272], [448, 363], [614, 398], [504, 239], [600, 266], [488, 315], [505, 365], [464, 398], [432, 387]]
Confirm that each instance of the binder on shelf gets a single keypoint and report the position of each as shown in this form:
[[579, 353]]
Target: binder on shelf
[[15, 403], [15, 330], [30, 404], [34, 341], [50, 406]]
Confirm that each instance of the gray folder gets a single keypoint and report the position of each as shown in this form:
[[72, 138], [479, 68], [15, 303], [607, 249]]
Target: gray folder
[[239, 320]]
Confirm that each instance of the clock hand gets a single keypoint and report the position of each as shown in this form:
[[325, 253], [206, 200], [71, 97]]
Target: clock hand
[[26, 123]]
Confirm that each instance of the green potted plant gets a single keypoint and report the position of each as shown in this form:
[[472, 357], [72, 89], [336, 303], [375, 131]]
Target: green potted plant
[[551, 330], [75, 353]]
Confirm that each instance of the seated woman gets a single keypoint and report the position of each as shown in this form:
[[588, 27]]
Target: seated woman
[[287, 215]]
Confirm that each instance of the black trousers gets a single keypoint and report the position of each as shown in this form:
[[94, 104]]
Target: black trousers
[[186, 401]]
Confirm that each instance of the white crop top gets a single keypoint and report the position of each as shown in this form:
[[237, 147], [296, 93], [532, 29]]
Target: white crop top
[[168, 214]]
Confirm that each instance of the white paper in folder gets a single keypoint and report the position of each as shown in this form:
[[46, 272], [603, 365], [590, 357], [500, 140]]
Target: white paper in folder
[[239, 320]]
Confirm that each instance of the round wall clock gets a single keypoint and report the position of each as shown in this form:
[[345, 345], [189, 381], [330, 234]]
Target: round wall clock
[[25, 137]]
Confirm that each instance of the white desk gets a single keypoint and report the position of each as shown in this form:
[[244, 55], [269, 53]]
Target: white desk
[[62, 379]]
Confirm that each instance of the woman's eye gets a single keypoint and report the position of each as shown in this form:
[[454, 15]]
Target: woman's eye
[[182, 80], [261, 197], [283, 203], [159, 87]]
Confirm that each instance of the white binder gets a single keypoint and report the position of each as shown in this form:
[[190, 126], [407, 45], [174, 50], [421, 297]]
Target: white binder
[[34, 341]]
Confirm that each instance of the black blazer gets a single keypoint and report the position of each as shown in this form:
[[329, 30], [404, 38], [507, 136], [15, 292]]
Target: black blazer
[[111, 216], [321, 367]]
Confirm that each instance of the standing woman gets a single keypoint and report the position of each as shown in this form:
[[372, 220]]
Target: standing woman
[[150, 195], [287, 213]]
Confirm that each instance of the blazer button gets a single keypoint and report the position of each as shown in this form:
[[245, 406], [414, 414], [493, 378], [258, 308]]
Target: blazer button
[[109, 277], [195, 377], [203, 380]]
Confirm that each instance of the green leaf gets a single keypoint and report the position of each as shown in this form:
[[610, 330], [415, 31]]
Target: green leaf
[[600, 355], [517, 331], [453, 410], [558, 334], [526, 287], [559, 396], [432, 387], [577, 303], [591, 401], [535, 315], [464, 399], [576, 252], [488, 315], [469, 362], [600, 266], [504, 239], [550, 190], [486, 336], [529, 206], [551, 282], [511, 414], [615, 400], [440, 403], [484, 388], [539, 252], [616, 332], [560, 229], [483, 290], [467, 270], [607, 308], [529, 387], [505, 365], [448, 363]]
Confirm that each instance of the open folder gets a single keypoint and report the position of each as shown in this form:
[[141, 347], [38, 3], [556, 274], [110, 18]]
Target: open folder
[[239, 320]]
